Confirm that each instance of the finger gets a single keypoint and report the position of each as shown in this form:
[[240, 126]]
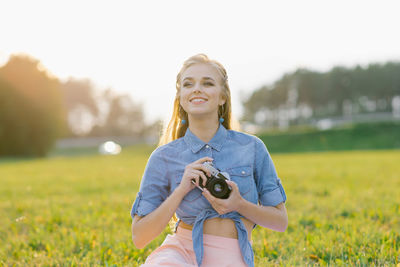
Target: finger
[[197, 168], [207, 195], [202, 168], [233, 185], [213, 200], [192, 184], [204, 178], [202, 160], [194, 178], [202, 175], [207, 171]]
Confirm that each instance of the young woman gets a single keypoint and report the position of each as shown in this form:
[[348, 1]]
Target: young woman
[[210, 231]]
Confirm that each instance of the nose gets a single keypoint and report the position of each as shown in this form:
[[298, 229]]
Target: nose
[[197, 88]]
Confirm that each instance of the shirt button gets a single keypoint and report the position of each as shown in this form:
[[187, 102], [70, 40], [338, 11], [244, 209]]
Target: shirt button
[[243, 172], [207, 146]]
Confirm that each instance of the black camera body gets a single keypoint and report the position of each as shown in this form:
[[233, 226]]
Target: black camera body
[[216, 183]]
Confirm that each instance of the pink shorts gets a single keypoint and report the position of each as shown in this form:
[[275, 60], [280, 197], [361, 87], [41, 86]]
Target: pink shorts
[[177, 250]]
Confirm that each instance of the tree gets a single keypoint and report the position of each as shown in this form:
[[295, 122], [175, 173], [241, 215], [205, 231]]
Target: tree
[[338, 92], [80, 103], [32, 114], [122, 116]]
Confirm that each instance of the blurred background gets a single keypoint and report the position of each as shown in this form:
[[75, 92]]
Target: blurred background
[[76, 73], [86, 88]]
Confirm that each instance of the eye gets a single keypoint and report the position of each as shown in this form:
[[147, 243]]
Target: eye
[[208, 83], [186, 84]]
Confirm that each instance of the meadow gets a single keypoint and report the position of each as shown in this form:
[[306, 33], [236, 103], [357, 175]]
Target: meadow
[[354, 136], [73, 209]]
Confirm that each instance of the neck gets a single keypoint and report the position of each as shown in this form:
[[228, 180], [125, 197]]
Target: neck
[[204, 129]]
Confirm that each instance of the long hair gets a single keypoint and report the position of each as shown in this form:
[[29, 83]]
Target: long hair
[[175, 128]]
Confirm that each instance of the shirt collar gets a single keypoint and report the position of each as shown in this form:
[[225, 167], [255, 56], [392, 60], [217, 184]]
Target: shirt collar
[[216, 142]]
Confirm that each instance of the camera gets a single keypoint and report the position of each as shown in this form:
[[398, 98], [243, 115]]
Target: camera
[[216, 183]]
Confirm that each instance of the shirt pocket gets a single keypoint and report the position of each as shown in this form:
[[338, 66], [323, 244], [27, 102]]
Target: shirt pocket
[[242, 176], [193, 194]]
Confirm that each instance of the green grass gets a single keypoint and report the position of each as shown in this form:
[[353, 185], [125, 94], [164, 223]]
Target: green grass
[[381, 135], [73, 209]]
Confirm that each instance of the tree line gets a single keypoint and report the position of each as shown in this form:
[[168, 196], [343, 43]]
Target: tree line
[[304, 95], [36, 108]]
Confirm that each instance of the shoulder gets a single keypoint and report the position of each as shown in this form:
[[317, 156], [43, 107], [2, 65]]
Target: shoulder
[[175, 146], [244, 138]]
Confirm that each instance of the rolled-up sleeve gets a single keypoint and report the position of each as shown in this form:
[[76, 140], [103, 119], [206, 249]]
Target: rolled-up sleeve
[[269, 186], [154, 186]]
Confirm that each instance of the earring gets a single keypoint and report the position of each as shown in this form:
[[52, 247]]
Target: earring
[[182, 114], [221, 112]]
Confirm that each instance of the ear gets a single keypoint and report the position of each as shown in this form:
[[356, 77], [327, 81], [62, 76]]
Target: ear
[[222, 100]]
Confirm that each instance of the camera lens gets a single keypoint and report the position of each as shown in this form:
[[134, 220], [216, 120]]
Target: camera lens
[[217, 188]]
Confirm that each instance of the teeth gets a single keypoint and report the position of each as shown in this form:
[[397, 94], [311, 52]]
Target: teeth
[[198, 100]]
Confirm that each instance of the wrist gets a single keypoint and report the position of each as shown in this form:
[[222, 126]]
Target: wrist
[[180, 192], [241, 206]]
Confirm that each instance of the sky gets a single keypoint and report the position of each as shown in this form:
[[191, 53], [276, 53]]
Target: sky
[[138, 47]]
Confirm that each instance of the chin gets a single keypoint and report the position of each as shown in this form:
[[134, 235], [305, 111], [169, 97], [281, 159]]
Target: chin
[[202, 115]]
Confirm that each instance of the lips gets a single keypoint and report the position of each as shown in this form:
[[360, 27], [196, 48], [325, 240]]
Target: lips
[[198, 100]]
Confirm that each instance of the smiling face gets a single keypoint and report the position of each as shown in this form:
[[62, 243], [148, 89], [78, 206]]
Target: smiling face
[[201, 91]]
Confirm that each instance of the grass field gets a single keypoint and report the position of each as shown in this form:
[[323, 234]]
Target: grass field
[[73, 210], [356, 136]]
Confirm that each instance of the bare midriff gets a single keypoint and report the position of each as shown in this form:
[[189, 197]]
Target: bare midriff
[[221, 227]]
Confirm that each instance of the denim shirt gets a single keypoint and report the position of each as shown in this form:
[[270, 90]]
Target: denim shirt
[[244, 157]]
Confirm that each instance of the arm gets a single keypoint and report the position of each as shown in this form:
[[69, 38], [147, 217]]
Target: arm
[[271, 217], [146, 228], [271, 212]]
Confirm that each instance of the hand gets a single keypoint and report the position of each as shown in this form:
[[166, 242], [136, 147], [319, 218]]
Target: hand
[[223, 206], [194, 171]]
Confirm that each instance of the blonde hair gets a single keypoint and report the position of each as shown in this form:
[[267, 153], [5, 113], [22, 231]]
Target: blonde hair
[[176, 128]]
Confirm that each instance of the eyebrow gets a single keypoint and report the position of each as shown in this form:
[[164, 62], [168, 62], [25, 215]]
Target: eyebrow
[[204, 78]]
